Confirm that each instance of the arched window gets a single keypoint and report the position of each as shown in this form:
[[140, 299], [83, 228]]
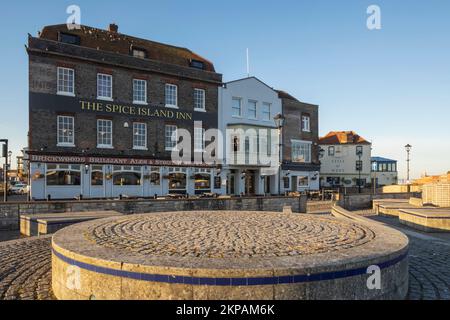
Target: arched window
[[127, 176], [177, 180], [202, 181], [97, 176]]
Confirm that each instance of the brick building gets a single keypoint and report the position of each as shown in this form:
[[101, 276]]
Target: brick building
[[301, 165], [105, 109]]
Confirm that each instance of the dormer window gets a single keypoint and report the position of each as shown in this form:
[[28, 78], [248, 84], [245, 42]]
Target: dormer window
[[197, 64], [69, 38], [139, 53]]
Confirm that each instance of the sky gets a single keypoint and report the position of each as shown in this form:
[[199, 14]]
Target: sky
[[391, 86]]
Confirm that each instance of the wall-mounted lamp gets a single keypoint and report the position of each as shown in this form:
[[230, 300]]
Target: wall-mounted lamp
[[86, 168], [243, 175], [126, 125], [288, 173]]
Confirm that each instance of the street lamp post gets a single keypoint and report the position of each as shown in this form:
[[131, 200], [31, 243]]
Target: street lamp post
[[5, 154], [359, 153], [408, 148], [279, 123]]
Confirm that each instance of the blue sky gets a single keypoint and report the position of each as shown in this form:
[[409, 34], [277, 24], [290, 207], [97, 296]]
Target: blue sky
[[392, 86]]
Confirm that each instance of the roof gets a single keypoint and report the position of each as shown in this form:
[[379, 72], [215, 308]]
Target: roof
[[284, 95], [249, 78], [111, 41], [343, 137], [381, 159]]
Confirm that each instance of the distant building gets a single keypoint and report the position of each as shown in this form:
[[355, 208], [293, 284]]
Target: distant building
[[341, 165], [384, 171], [300, 163]]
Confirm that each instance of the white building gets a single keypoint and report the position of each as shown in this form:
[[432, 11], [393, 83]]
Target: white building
[[346, 158], [247, 108]]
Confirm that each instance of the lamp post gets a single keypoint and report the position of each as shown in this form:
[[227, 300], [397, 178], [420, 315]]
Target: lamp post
[[279, 123], [408, 148], [359, 153], [5, 154]]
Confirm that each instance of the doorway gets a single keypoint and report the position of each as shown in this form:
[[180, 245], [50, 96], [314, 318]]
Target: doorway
[[250, 183]]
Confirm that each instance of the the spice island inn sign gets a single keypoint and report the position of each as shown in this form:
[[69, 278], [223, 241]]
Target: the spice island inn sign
[[55, 103]]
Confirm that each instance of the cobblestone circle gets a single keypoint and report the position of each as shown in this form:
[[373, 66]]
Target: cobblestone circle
[[25, 269], [225, 235]]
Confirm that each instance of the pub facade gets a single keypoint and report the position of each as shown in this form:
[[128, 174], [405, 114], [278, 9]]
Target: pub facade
[[105, 110]]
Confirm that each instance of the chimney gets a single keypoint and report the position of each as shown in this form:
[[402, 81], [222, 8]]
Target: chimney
[[113, 28]]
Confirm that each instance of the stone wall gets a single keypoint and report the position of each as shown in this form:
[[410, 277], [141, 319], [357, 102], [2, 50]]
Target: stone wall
[[364, 201], [10, 212], [437, 195]]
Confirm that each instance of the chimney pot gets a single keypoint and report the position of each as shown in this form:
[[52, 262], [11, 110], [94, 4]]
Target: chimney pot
[[113, 28]]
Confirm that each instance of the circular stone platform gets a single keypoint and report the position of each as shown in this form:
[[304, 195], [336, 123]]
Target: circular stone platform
[[227, 255]]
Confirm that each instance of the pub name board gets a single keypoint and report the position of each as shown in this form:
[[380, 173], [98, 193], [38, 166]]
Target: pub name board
[[141, 111]]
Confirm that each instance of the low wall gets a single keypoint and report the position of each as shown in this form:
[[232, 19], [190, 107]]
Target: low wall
[[437, 195], [364, 201], [401, 189], [10, 212]]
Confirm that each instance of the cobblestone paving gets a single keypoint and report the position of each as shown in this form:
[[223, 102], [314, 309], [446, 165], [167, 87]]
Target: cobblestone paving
[[25, 269], [226, 235], [25, 265], [429, 262]]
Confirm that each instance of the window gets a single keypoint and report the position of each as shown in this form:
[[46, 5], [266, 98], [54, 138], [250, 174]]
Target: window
[[237, 107], [140, 136], [197, 64], [303, 182], [63, 175], [331, 151], [69, 38], [171, 137], [97, 176], [306, 124], [139, 53], [104, 86], [127, 176], [199, 99], [301, 151], [66, 81], [266, 111], [171, 96], [286, 182], [199, 139], [202, 179], [139, 91], [104, 133], [177, 180], [66, 137], [155, 176], [252, 109]]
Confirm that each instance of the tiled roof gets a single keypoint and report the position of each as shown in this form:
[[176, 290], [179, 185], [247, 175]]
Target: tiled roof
[[111, 41], [343, 137], [284, 95]]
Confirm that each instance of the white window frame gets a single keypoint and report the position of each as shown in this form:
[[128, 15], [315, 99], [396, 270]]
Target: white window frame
[[306, 123], [256, 109], [60, 89], [136, 126], [197, 140], [65, 144], [202, 103], [304, 186], [264, 112], [233, 108], [101, 97], [166, 137], [167, 87], [309, 143], [135, 89], [101, 145]]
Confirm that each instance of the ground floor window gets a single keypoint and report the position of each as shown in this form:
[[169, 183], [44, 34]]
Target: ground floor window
[[155, 176], [303, 182], [177, 180], [334, 181], [127, 176], [97, 176], [202, 181], [63, 175], [286, 182]]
